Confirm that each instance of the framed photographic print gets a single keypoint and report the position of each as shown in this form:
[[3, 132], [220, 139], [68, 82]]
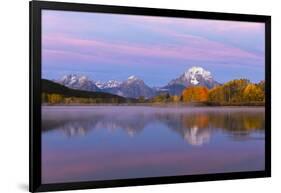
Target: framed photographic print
[[124, 96]]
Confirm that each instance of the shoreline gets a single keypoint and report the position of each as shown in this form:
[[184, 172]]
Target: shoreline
[[153, 105]]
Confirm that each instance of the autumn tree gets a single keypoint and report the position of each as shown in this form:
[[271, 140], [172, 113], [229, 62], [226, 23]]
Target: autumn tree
[[253, 93], [237, 91], [175, 98], [233, 90], [54, 98], [195, 94], [261, 85], [216, 94], [162, 98]]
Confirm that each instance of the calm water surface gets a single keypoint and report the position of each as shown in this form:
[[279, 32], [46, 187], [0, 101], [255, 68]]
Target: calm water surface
[[115, 142]]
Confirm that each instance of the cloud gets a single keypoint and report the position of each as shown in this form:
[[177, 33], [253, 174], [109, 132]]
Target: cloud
[[74, 40], [191, 48]]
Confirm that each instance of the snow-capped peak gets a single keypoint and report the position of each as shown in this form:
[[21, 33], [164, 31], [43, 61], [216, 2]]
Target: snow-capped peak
[[133, 77], [69, 79], [99, 84], [83, 78], [74, 78], [195, 70], [193, 74], [78, 82]]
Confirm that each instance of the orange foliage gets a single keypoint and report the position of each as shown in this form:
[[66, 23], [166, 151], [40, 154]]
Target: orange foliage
[[195, 94]]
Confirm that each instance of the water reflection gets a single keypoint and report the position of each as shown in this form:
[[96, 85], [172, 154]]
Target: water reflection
[[194, 125], [120, 142]]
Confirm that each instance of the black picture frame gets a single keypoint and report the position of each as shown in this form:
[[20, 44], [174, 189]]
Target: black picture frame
[[36, 7]]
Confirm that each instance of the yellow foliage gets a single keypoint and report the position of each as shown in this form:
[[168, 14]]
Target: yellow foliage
[[54, 98], [237, 91], [216, 94], [253, 93], [176, 98]]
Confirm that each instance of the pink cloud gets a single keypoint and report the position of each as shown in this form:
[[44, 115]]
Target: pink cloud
[[191, 48], [63, 40], [64, 22], [57, 55]]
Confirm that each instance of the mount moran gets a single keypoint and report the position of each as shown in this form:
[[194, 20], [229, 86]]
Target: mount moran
[[134, 87]]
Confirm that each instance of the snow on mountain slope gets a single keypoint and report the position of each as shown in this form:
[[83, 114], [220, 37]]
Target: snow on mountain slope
[[135, 87], [108, 84], [78, 82], [195, 76]]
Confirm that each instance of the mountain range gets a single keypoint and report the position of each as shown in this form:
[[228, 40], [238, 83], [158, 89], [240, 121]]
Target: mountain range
[[135, 87]]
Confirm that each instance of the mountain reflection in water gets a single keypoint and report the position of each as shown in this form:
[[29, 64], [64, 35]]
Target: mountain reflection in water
[[121, 142], [194, 125]]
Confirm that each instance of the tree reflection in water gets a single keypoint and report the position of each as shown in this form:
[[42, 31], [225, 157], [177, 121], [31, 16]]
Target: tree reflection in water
[[194, 125]]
